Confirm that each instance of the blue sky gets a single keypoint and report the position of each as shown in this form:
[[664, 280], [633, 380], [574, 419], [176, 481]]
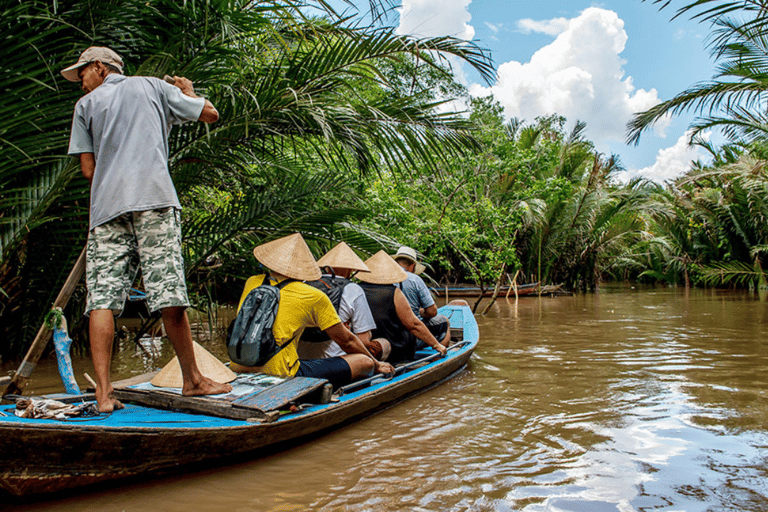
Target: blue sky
[[594, 61]]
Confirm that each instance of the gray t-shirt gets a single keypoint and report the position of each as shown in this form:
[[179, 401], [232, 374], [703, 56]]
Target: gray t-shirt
[[417, 293], [125, 123]]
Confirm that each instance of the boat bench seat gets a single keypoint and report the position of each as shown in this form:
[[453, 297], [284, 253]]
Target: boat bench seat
[[280, 395]]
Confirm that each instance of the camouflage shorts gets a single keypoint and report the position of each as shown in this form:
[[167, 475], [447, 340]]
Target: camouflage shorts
[[147, 239]]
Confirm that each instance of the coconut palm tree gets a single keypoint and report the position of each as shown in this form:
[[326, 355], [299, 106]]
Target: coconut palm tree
[[735, 98], [293, 123]]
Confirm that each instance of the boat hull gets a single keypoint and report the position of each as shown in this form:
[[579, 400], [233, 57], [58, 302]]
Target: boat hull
[[50, 456]]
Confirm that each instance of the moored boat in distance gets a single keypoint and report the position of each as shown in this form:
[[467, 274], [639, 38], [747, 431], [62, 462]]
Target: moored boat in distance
[[161, 431], [471, 290]]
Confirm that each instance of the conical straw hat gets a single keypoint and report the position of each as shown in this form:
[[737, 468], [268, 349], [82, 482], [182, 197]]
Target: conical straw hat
[[170, 375], [342, 256], [290, 257], [384, 270]]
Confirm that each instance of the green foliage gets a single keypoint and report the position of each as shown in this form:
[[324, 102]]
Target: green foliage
[[292, 127], [537, 199]]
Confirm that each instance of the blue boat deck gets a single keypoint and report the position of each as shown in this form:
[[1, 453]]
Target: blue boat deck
[[247, 389]]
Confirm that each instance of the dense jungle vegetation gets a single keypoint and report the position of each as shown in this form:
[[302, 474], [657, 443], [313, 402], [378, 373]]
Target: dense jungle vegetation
[[338, 129]]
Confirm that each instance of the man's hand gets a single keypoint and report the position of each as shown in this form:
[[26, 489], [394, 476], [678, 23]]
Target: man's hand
[[441, 349], [185, 84], [209, 113], [382, 367]]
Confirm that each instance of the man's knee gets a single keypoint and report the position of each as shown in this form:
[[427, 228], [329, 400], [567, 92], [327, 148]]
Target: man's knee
[[439, 327], [386, 348], [174, 316], [173, 311], [360, 365]]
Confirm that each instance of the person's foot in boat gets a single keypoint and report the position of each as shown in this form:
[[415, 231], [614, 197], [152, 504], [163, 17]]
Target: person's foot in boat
[[205, 386], [107, 402]]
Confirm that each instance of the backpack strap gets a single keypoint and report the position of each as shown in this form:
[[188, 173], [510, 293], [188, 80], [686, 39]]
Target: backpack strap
[[280, 286], [268, 282]]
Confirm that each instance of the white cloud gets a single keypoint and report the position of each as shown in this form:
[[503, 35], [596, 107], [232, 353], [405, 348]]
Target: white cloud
[[494, 28], [580, 76], [670, 162], [660, 127], [551, 27], [432, 18]]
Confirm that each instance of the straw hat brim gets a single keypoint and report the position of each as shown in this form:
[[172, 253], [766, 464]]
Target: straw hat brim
[[342, 256], [404, 253], [290, 257], [170, 376], [384, 270], [418, 269]]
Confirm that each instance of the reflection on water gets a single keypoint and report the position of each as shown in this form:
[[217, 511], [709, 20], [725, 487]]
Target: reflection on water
[[621, 401]]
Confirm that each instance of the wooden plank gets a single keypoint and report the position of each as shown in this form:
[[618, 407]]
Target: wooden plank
[[194, 404], [20, 378], [138, 379], [281, 394]]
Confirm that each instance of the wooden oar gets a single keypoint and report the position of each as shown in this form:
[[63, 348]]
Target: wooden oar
[[20, 378]]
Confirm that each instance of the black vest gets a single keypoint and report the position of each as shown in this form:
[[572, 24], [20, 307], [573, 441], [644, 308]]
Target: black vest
[[381, 299]]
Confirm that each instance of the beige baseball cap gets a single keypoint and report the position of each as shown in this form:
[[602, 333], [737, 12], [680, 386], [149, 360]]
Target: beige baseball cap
[[407, 253], [94, 53]]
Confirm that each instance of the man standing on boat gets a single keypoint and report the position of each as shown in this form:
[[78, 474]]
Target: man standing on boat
[[120, 133], [421, 301]]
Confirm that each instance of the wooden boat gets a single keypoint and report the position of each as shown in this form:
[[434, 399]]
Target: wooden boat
[[162, 432], [468, 290]]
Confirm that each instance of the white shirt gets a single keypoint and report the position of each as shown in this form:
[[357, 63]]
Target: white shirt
[[354, 309]]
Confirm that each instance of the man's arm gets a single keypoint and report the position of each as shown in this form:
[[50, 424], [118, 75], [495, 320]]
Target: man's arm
[[413, 324], [87, 165], [351, 344], [429, 312], [364, 336], [427, 303], [209, 113]]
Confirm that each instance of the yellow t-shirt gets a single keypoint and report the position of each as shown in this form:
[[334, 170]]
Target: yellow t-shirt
[[300, 306]]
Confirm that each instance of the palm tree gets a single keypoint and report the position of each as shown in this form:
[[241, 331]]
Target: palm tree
[[286, 87], [734, 99]]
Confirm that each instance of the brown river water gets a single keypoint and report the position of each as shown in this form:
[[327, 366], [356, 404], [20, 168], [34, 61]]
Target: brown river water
[[624, 400]]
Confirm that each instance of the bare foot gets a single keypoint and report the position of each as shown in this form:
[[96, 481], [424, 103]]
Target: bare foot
[[107, 402], [206, 386]]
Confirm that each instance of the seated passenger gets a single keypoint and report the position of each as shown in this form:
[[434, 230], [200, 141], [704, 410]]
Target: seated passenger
[[421, 301], [350, 303], [394, 318], [300, 306]]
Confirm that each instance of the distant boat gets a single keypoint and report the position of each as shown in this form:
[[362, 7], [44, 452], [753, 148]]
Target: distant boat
[[470, 290], [160, 431]]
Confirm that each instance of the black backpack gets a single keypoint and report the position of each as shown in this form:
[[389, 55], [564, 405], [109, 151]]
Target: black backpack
[[252, 342], [333, 287]]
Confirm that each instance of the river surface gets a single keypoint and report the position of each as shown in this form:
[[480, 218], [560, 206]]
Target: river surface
[[624, 400]]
